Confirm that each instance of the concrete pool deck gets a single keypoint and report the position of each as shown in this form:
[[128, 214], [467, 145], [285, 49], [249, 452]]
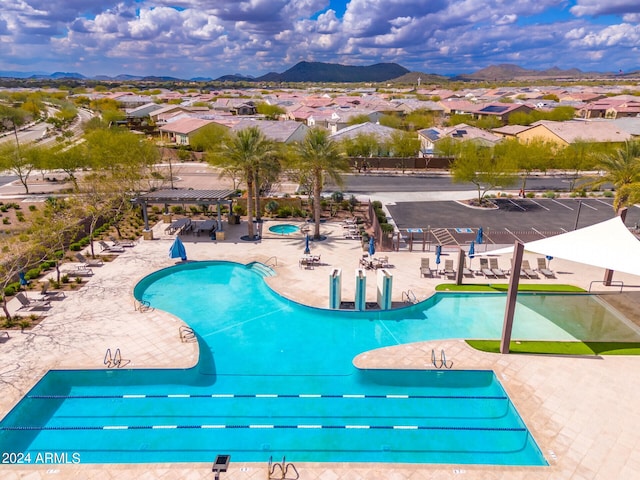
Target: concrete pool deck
[[582, 411]]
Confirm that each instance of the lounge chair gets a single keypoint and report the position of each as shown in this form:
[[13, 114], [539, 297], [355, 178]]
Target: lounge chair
[[110, 248], [122, 243], [542, 268], [484, 268], [530, 272], [466, 271], [28, 304], [425, 269], [495, 268], [523, 273], [47, 295], [449, 271], [88, 262]]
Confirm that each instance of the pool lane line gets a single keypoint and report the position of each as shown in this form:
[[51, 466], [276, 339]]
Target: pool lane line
[[128, 396], [263, 427]]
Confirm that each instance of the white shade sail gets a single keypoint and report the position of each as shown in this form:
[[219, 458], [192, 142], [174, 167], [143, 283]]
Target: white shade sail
[[608, 245]]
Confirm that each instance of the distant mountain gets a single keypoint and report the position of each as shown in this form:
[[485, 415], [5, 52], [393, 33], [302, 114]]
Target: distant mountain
[[504, 72], [336, 73], [412, 78], [234, 78], [60, 75]]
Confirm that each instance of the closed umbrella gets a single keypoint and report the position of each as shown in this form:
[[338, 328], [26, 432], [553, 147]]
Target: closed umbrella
[[23, 279], [472, 251], [438, 252], [307, 250], [549, 258], [177, 250], [372, 246], [479, 236]]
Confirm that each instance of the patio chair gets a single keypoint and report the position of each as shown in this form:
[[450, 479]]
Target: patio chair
[[449, 271], [425, 269], [542, 268], [466, 271], [484, 268], [110, 248], [88, 262], [495, 268], [531, 273], [47, 295], [28, 304], [523, 273]]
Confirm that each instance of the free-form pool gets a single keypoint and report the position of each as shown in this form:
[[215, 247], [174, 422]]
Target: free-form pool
[[276, 378], [284, 229]]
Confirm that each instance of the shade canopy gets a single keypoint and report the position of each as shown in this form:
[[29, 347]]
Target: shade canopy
[[609, 245]]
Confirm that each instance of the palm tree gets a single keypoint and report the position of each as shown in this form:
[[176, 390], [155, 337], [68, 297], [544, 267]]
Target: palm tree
[[318, 156], [622, 169], [244, 151]]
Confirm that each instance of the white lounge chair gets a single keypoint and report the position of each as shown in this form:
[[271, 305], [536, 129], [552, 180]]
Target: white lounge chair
[[122, 243], [484, 268], [542, 268], [530, 272], [425, 269], [47, 295], [449, 271], [495, 268]]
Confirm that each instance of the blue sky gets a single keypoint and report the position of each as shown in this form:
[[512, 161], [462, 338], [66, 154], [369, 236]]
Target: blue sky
[[210, 38]]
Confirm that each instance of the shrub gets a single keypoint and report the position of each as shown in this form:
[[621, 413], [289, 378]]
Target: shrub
[[239, 210], [6, 221], [64, 278], [177, 209], [32, 273], [285, 211], [386, 227], [382, 218], [337, 197], [25, 323], [11, 289], [75, 247], [549, 194], [298, 212], [377, 204], [607, 193], [271, 207], [531, 195], [32, 208]]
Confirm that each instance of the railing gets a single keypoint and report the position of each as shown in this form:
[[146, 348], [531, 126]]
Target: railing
[[443, 360], [274, 258], [409, 297], [141, 306], [115, 360], [187, 335], [280, 471], [610, 284]]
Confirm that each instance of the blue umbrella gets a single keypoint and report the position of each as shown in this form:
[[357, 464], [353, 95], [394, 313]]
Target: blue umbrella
[[23, 279], [549, 258], [372, 246], [307, 250], [177, 250], [479, 236], [438, 252], [472, 251]]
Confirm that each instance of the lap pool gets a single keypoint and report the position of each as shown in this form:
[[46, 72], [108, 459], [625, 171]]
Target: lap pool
[[276, 378]]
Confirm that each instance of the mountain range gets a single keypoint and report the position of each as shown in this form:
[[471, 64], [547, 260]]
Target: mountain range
[[337, 73]]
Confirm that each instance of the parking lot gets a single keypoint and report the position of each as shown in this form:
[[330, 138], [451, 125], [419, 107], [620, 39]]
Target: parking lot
[[521, 219]]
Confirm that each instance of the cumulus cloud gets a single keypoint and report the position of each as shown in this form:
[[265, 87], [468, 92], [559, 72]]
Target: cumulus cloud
[[205, 38]]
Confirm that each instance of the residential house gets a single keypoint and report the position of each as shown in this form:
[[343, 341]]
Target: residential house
[[279, 131], [180, 131], [572, 131], [429, 137]]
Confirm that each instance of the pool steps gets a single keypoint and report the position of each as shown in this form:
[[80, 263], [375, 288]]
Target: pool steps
[[262, 269]]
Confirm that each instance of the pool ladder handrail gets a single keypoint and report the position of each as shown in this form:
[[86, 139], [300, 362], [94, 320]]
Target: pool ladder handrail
[[284, 469], [443, 359], [409, 297], [114, 360], [187, 335], [275, 260]]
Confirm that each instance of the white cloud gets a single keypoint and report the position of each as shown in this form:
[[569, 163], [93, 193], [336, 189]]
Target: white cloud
[[609, 7]]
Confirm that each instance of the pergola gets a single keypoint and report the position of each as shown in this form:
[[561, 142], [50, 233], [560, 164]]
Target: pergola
[[177, 196]]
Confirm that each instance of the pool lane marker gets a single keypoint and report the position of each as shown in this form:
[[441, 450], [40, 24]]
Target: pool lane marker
[[264, 426], [270, 395]]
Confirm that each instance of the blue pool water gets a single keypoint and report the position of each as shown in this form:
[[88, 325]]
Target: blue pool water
[[284, 229], [276, 378]]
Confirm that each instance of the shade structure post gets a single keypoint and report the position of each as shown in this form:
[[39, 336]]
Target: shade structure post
[[608, 274], [512, 297], [460, 269]]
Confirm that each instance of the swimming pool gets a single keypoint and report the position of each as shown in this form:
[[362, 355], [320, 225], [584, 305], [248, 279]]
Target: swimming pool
[[277, 379], [284, 229]]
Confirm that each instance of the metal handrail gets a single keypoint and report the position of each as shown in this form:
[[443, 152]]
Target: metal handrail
[[617, 282], [443, 360], [274, 258], [108, 358], [410, 297]]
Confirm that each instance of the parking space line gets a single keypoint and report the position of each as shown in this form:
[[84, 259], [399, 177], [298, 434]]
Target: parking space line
[[540, 205], [562, 204], [585, 204], [514, 235], [539, 232], [603, 202], [519, 206]]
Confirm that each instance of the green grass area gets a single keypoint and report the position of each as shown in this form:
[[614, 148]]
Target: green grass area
[[503, 287], [559, 348]]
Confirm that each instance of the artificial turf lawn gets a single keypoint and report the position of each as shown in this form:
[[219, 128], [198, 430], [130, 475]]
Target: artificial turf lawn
[[503, 287], [559, 348]]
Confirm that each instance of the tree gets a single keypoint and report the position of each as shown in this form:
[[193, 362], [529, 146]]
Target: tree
[[527, 157], [70, 160], [403, 144], [362, 145], [243, 152], [575, 159], [208, 137], [21, 161], [478, 165], [622, 169], [271, 112], [17, 255], [318, 156]]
